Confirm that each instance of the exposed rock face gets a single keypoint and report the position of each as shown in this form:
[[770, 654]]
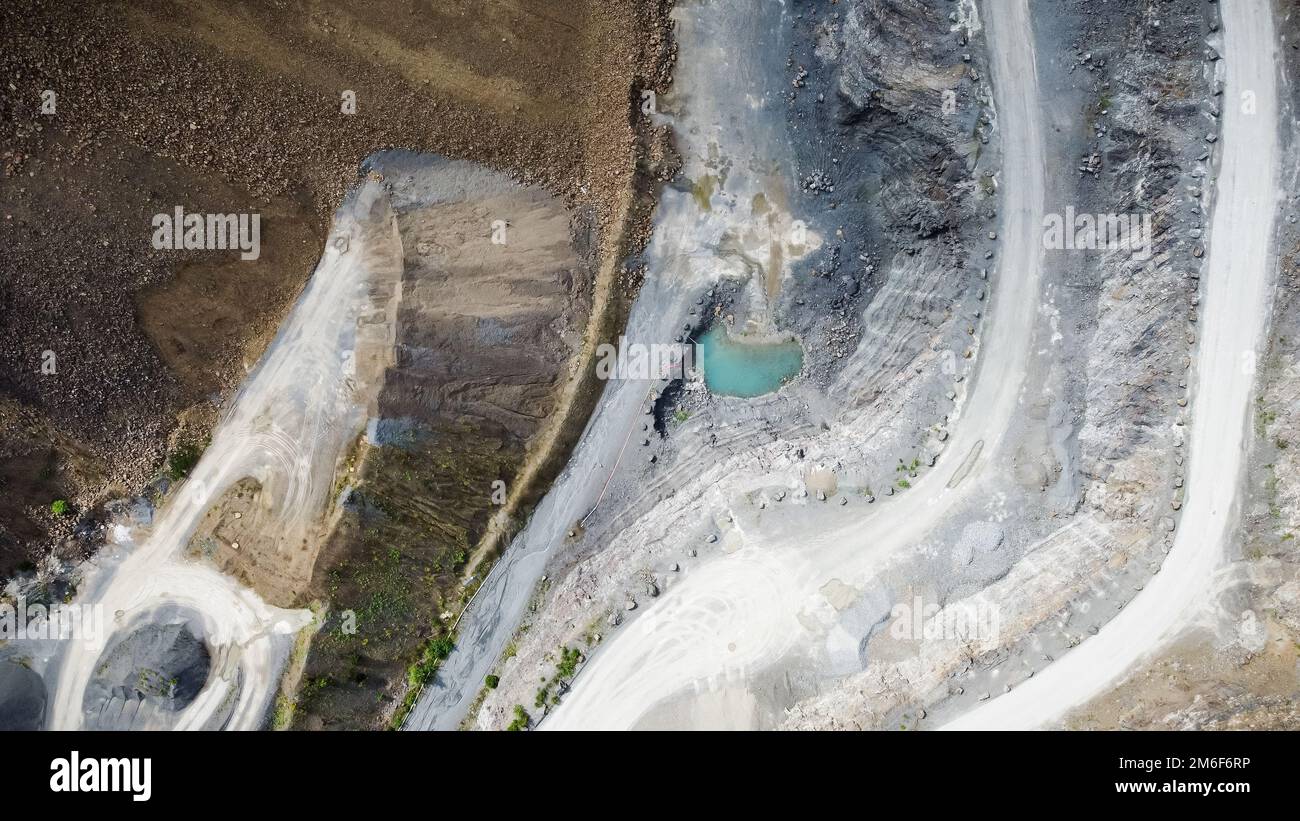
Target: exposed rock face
[[1142, 154], [1242, 672], [1102, 395], [1103, 438], [896, 68], [899, 119]]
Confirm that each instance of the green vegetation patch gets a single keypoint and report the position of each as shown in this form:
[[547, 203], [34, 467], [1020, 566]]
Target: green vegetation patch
[[183, 459], [391, 573]]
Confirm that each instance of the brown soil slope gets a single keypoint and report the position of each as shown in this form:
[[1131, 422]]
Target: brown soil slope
[[235, 107], [446, 448]]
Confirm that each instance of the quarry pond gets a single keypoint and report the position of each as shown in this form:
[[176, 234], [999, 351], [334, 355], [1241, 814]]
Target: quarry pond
[[735, 366]]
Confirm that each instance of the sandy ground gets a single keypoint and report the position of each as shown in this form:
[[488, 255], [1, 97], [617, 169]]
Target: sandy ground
[[1236, 299]]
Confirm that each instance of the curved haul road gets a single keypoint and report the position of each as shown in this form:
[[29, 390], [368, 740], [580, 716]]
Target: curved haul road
[[1236, 303], [739, 614], [295, 414]]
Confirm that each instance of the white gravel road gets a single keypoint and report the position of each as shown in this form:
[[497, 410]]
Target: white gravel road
[[1237, 289]]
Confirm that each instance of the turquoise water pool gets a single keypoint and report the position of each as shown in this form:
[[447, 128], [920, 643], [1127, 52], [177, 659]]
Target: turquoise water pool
[[735, 368]]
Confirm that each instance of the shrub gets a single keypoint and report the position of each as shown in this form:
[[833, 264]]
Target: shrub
[[441, 647], [182, 460], [435, 650], [521, 719], [568, 665]]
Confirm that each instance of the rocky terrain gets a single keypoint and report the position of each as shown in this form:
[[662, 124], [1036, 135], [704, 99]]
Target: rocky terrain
[[981, 433], [876, 305], [1236, 669], [889, 310], [244, 108], [1098, 455]]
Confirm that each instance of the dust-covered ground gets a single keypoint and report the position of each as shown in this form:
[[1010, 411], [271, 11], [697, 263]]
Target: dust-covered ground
[[111, 352]]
